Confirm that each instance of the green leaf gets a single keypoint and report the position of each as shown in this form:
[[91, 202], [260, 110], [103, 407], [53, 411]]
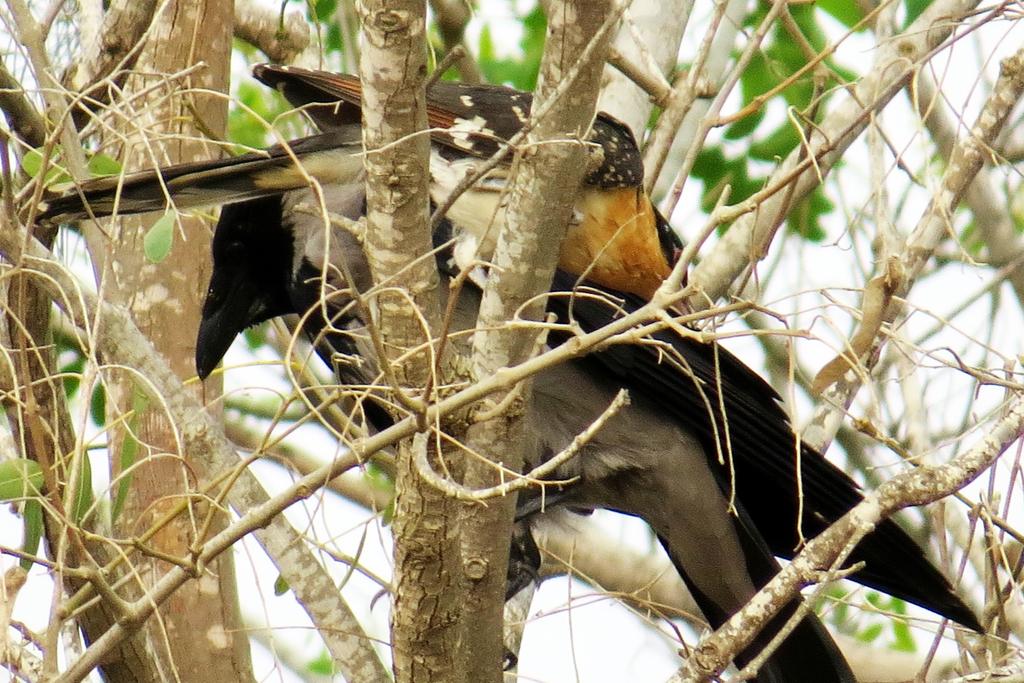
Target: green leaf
[[332, 41], [101, 165], [845, 12], [280, 585], [84, 498], [870, 633], [914, 9], [376, 477], [72, 375], [129, 450], [32, 515], [744, 126], [904, 639], [98, 405], [323, 10], [32, 165], [520, 72], [255, 337], [157, 242], [805, 218], [322, 665], [777, 145], [32, 162], [20, 478], [387, 515]]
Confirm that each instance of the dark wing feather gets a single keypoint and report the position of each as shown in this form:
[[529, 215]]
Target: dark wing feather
[[696, 381]]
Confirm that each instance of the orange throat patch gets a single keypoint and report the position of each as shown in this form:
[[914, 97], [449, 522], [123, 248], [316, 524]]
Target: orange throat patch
[[615, 244]]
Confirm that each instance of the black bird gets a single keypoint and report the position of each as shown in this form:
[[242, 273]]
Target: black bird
[[657, 459]]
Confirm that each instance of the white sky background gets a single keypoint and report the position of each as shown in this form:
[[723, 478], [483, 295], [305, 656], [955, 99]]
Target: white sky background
[[597, 639]]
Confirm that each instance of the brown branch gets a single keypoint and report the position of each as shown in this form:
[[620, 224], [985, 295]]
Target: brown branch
[[112, 50], [451, 17], [22, 115]]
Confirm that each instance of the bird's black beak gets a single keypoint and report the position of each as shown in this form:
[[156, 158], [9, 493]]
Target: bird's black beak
[[233, 303]]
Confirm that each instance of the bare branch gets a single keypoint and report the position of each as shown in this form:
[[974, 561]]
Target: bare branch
[[281, 35], [747, 240], [883, 294]]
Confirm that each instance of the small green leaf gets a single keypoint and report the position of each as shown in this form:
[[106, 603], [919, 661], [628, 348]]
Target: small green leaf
[[904, 639], [101, 165], [377, 477], [845, 12], [322, 665], [84, 498], [98, 405], [280, 585], [323, 10], [32, 165], [72, 373], [744, 126], [20, 478], [129, 450], [870, 633], [255, 337], [777, 145], [332, 41], [387, 515], [33, 517], [914, 9], [32, 162], [157, 243], [805, 218]]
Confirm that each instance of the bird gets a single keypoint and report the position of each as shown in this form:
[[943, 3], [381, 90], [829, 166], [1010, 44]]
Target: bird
[[617, 236], [723, 523]]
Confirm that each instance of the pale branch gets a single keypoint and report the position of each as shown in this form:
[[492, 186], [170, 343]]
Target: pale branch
[[406, 314], [114, 47], [283, 36], [645, 48], [351, 485], [537, 476], [121, 342], [680, 125], [653, 83], [986, 201], [30, 36], [393, 65], [918, 487], [747, 239], [548, 176], [1011, 673], [883, 296]]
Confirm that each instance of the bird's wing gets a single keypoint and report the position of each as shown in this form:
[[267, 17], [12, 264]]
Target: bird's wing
[[468, 119], [751, 447], [645, 463]]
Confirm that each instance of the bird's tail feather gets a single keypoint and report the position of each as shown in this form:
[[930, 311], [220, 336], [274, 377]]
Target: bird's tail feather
[[328, 157]]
